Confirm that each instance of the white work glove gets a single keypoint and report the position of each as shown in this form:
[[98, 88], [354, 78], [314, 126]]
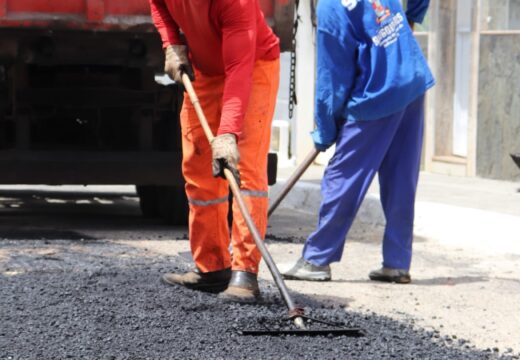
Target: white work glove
[[176, 63], [225, 155]]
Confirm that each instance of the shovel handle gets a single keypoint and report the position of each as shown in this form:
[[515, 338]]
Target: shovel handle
[[242, 206], [295, 176], [198, 108]]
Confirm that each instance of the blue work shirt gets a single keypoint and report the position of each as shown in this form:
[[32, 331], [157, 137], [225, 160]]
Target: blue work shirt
[[369, 63]]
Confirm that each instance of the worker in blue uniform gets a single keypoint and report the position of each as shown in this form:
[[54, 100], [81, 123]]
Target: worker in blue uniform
[[371, 81]]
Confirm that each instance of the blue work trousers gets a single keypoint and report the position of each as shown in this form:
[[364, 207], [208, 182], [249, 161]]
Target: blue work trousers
[[391, 147]]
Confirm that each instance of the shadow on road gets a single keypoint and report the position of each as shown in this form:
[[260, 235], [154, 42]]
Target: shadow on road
[[14, 202], [436, 281], [42, 234], [54, 214]]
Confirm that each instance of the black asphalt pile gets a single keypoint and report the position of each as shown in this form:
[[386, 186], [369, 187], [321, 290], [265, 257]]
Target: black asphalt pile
[[105, 301]]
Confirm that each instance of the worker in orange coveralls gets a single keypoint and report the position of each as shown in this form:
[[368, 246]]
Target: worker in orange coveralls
[[235, 60]]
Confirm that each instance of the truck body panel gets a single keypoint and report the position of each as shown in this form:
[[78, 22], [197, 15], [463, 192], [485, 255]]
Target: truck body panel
[[79, 103], [102, 15]]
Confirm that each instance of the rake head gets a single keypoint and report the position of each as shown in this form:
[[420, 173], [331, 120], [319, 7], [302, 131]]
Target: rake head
[[312, 327]]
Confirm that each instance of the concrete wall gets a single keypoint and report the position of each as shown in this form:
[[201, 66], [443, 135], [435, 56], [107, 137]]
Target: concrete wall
[[498, 131], [500, 15], [495, 14], [514, 15]]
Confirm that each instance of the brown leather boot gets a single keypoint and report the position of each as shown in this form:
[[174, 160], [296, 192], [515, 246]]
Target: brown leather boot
[[243, 288], [213, 282]]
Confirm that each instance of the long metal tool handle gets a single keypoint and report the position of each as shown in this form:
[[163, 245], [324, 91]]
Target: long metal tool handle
[[295, 176], [243, 208]]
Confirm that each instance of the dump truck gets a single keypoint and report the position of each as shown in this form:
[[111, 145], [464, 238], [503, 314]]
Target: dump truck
[[79, 100]]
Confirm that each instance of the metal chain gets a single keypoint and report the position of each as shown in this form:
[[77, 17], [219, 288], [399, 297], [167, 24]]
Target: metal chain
[[293, 100], [313, 14]]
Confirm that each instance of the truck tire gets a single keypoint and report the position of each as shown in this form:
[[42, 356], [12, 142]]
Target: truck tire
[[148, 200], [4, 98], [173, 205]]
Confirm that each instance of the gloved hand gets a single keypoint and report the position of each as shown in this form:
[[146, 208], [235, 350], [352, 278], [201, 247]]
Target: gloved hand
[[176, 63], [320, 143], [321, 147], [225, 155]]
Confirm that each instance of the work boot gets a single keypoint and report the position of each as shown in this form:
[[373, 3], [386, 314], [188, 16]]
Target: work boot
[[213, 282], [385, 274], [304, 270], [243, 288]]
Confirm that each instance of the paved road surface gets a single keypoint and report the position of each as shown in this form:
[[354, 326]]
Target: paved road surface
[[79, 278]]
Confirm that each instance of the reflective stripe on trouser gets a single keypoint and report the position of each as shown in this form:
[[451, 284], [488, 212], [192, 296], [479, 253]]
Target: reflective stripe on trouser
[[390, 146], [208, 228]]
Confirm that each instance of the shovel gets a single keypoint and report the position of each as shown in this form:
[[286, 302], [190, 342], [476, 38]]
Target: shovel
[[289, 184], [296, 314]]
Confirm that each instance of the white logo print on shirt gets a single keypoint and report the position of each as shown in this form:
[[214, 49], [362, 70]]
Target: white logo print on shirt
[[349, 4]]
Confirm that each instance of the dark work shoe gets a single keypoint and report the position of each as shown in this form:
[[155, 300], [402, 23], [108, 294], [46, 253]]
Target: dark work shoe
[[304, 270], [385, 274], [213, 282], [243, 288]]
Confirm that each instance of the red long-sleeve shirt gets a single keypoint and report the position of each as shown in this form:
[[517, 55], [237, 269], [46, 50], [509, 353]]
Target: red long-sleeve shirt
[[225, 37]]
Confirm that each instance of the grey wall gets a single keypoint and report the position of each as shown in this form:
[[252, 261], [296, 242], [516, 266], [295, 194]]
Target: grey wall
[[500, 14], [498, 106], [495, 14], [514, 15]]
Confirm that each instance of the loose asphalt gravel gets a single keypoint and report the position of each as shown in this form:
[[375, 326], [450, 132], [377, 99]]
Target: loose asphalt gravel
[[98, 299]]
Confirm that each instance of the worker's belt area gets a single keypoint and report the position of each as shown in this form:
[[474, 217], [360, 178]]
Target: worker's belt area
[[250, 193]]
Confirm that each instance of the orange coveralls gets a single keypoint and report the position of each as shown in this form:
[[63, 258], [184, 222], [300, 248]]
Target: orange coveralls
[[235, 57]]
